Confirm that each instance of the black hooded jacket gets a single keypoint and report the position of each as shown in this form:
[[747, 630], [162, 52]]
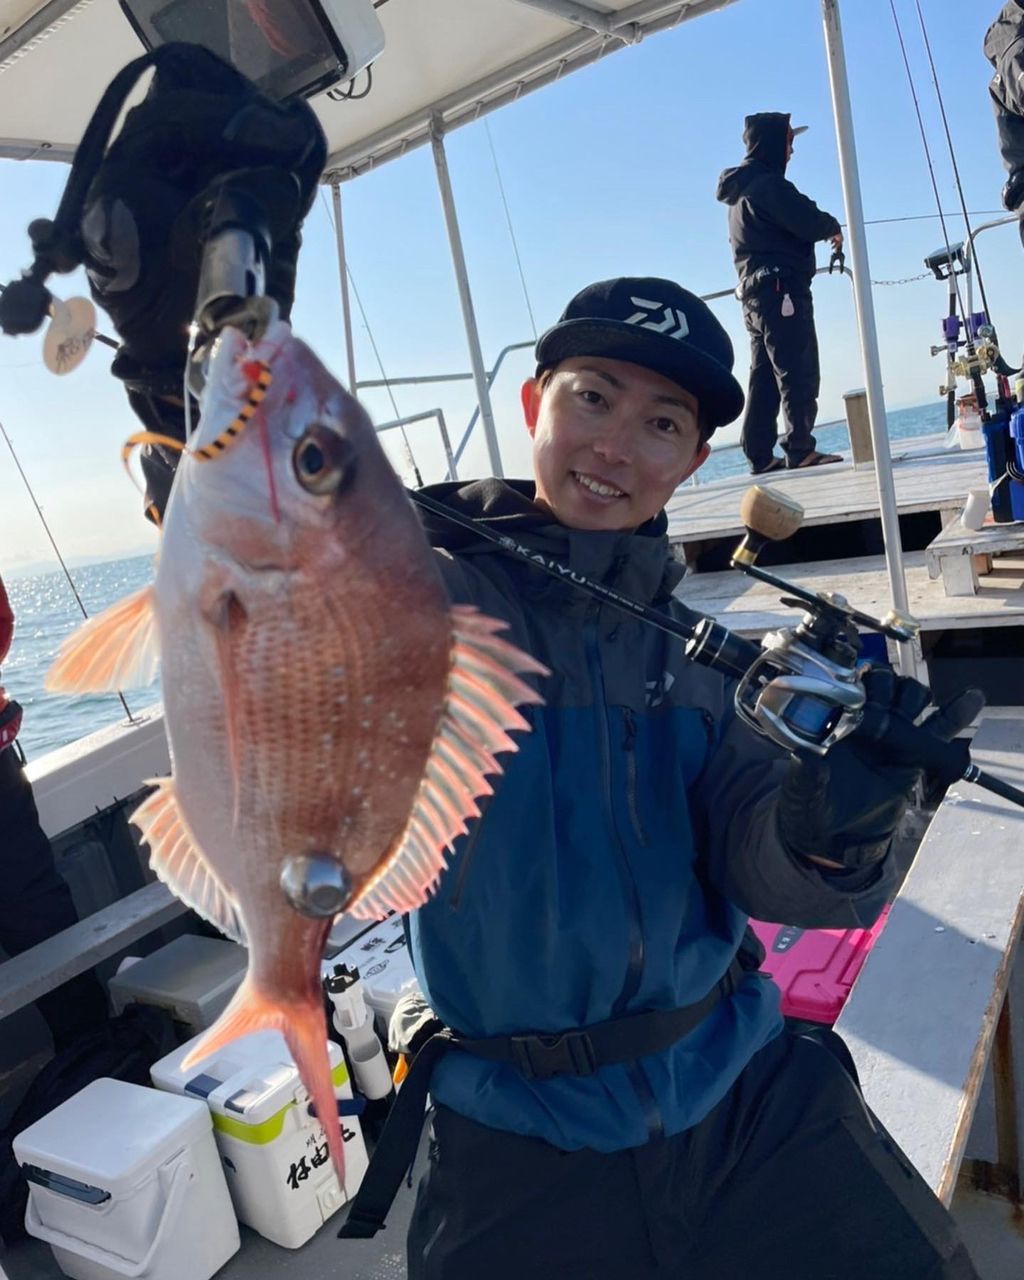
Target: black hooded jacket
[[771, 224], [1004, 48]]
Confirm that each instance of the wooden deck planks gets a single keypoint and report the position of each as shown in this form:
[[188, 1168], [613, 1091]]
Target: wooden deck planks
[[958, 554], [924, 481], [751, 608], [922, 1016]]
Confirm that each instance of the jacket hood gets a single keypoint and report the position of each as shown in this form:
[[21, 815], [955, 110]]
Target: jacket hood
[[1005, 31], [765, 136], [641, 563]]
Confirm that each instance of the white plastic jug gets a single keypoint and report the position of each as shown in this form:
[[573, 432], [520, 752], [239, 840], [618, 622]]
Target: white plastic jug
[[969, 434]]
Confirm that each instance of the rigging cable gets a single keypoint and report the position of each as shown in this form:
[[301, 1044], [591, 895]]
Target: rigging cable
[[409, 455], [511, 229], [56, 550], [928, 158], [952, 156]]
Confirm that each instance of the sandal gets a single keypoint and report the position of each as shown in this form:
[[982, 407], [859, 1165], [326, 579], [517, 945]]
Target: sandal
[[776, 464], [816, 459]]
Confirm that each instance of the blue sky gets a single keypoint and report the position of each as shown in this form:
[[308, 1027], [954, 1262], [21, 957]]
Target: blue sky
[[611, 171]]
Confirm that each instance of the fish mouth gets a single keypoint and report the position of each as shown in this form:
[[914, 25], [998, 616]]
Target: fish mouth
[[598, 488]]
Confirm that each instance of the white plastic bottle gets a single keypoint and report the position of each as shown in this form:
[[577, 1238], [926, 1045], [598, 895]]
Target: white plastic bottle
[[968, 424]]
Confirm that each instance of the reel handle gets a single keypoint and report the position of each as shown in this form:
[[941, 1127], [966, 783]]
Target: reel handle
[[768, 516]]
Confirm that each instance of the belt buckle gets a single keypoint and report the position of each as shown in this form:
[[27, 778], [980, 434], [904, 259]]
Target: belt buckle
[[539, 1057]]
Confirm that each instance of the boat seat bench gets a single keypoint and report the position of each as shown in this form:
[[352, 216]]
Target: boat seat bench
[[935, 1020], [26, 977]]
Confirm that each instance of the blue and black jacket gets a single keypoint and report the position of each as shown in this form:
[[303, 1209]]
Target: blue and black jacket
[[615, 866]]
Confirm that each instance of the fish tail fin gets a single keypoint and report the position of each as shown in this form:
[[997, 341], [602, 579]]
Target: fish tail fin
[[306, 1033], [305, 1030]]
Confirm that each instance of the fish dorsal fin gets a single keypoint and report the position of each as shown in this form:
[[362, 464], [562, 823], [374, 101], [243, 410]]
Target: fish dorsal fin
[[484, 687], [180, 864], [115, 650]]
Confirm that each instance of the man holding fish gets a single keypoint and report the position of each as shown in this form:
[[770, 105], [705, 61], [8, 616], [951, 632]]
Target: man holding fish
[[615, 1091], [612, 873]]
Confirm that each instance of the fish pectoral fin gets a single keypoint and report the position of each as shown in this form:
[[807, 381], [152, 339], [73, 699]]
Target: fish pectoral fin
[[180, 863], [115, 650], [484, 688]]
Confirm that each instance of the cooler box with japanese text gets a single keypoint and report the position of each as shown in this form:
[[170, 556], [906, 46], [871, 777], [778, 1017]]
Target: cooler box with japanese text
[[126, 1181], [815, 968], [274, 1152]]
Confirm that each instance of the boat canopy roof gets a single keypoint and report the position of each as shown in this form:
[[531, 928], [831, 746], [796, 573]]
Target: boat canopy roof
[[453, 60]]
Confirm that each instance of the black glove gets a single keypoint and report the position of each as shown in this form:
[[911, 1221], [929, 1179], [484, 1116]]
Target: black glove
[[1013, 191], [845, 806]]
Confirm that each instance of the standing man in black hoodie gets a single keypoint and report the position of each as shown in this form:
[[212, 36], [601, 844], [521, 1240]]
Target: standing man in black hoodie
[[1004, 48], [773, 229]]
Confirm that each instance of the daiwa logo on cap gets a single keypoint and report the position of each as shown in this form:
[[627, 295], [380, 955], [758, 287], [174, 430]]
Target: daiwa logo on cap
[[661, 318]]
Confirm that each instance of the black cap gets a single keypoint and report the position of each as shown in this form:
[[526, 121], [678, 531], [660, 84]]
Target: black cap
[[659, 325]]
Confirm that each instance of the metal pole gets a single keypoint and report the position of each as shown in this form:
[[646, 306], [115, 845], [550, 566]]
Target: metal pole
[[476, 358], [864, 303], [346, 308]]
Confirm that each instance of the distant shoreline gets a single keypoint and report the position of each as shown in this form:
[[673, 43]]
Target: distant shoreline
[[37, 568]]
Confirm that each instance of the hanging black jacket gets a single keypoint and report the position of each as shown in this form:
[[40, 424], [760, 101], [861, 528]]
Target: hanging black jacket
[[1004, 48], [771, 224]]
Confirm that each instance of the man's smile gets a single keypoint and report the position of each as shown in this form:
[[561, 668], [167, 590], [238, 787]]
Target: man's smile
[[600, 488]]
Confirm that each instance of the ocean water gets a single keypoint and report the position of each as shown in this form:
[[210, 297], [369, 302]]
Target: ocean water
[[46, 611]]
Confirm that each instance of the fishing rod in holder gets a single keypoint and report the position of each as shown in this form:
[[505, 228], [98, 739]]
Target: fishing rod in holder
[[802, 686]]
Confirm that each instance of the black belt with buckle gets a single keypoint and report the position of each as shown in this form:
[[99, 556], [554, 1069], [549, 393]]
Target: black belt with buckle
[[538, 1056]]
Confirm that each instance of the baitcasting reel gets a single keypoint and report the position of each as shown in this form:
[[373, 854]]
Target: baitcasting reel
[[804, 689]]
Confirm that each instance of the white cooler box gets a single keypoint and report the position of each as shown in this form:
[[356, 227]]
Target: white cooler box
[[193, 978], [382, 958], [126, 1181], [275, 1157]]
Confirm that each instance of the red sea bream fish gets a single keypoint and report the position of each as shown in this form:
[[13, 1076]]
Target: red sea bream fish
[[331, 717]]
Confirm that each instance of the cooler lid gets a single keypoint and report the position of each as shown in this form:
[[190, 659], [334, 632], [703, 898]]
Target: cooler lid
[[251, 1081], [112, 1135], [185, 970]]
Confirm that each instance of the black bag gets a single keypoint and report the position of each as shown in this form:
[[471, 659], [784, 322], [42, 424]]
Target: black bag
[[135, 214], [122, 1049]]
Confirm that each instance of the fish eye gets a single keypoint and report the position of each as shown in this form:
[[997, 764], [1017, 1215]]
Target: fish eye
[[323, 461]]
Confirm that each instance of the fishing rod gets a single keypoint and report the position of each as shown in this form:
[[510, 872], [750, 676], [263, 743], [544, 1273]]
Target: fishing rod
[[801, 687], [952, 156], [56, 549], [972, 365]]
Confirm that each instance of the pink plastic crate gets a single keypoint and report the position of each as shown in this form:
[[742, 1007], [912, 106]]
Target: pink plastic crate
[[815, 968]]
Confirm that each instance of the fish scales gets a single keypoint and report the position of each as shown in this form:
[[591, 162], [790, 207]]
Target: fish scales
[[332, 719]]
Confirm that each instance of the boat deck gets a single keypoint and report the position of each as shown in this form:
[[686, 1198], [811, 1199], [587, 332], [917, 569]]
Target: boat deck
[[988, 1224], [927, 477], [751, 608]]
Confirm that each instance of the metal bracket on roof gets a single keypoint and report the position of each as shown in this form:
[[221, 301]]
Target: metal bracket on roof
[[582, 15], [40, 24]]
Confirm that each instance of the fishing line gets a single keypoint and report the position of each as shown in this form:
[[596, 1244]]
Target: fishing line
[[409, 455], [56, 550], [511, 229], [929, 217], [952, 157], [928, 157]]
